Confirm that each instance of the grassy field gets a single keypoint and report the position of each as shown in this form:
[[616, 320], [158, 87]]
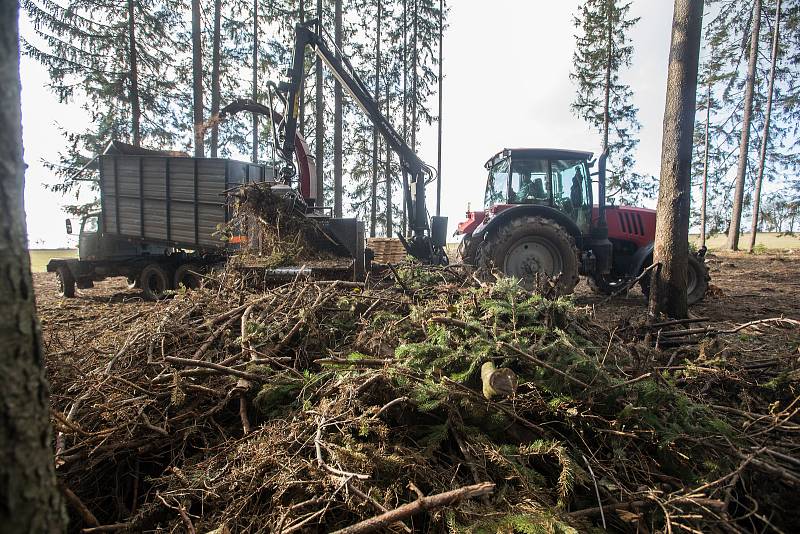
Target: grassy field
[[40, 257], [770, 240]]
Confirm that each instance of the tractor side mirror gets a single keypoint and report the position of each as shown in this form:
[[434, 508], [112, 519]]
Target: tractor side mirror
[[69, 227]]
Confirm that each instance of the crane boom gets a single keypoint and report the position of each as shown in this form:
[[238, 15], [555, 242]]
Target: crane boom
[[426, 241]]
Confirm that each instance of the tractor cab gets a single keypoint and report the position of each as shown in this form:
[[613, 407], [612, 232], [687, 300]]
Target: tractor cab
[[559, 180]]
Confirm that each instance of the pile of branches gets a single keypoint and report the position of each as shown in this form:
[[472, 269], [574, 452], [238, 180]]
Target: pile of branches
[[323, 406], [277, 232]]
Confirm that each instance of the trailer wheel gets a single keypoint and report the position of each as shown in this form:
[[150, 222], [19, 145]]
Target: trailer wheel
[[529, 245], [696, 281], [155, 282], [186, 276], [66, 282]]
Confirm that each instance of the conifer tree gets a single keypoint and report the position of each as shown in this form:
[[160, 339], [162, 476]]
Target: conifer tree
[[603, 49]]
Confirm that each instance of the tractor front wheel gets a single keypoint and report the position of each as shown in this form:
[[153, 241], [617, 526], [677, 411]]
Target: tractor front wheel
[[697, 279], [529, 246]]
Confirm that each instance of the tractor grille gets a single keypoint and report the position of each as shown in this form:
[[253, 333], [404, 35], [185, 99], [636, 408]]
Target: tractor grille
[[631, 223]]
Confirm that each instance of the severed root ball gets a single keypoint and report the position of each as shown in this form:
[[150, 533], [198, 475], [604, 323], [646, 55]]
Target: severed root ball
[[498, 382]]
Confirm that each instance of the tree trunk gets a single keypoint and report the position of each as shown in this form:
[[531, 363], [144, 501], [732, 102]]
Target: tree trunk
[[319, 134], [414, 59], [404, 210], [254, 153], [704, 199], [29, 499], [215, 62], [302, 105], [338, 118], [388, 173], [762, 156], [373, 213], [744, 142], [668, 287], [439, 132], [133, 59], [607, 89], [197, 74]]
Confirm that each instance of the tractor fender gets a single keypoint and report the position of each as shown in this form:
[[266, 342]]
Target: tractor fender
[[640, 258], [524, 210]]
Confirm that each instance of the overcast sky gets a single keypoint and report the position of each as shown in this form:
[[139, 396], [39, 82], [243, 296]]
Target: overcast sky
[[506, 65]]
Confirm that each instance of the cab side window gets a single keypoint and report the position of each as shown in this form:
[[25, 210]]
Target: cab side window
[[90, 225], [571, 189]]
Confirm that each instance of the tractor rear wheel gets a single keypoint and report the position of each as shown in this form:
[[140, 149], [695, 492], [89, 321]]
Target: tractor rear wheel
[[697, 279], [531, 245]]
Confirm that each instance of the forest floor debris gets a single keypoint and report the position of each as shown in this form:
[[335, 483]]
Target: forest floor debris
[[316, 406]]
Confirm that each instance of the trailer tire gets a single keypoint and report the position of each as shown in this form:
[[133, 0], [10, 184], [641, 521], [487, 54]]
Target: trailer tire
[[186, 276], [530, 244], [155, 281], [66, 282], [697, 280]]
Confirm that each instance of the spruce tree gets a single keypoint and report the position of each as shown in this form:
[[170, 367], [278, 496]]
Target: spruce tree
[[603, 50]]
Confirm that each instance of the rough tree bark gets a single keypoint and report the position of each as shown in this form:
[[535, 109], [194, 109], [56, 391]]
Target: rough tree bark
[[704, 199], [254, 154], [215, 62], [29, 499], [319, 134], [133, 93], [668, 293], [744, 142], [197, 81], [338, 118], [414, 56], [762, 156]]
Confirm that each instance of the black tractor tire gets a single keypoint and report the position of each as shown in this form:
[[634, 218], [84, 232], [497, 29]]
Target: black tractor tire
[[133, 283], [155, 281], [186, 276], [606, 284], [66, 282], [526, 245], [697, 281], [468, 250]]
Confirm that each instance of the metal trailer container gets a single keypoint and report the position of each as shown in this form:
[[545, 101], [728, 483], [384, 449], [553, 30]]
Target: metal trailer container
[[178, 202]]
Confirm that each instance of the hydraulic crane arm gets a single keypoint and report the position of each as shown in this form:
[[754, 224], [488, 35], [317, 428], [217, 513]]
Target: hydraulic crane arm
[[310, 34]]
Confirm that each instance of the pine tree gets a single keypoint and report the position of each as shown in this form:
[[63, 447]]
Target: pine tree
[[120, 64], [603, 50], [197, 80], [738, 198], [765, 133], [668, 288], [215, 74], [338, 120]]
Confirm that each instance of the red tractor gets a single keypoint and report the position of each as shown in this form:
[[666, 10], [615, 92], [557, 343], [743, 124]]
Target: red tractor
[[539, 217]]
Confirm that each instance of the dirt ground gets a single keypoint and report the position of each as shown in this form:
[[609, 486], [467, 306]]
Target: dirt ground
[[744, 288]]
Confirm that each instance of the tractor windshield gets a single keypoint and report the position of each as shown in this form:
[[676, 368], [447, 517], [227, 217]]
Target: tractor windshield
[[497, 186]]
